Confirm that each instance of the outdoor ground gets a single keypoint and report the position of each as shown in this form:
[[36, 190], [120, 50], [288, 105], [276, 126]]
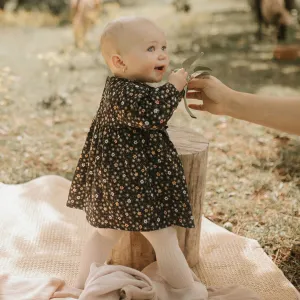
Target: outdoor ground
[[253, 178]]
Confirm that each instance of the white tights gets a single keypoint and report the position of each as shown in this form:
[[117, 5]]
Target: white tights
[[172, 264]]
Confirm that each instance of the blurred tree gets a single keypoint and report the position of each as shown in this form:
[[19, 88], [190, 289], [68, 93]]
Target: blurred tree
[[182, 5], [2, 4], [54, 6]]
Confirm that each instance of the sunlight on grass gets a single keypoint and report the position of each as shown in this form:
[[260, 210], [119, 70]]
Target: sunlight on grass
[[21, 18]]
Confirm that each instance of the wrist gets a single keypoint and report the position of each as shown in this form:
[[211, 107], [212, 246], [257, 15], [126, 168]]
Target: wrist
[[176, 86], [232, 103]]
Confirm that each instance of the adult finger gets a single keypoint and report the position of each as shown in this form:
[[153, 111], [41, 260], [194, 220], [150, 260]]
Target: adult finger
[[196, 106], [194, 95], [181, 70], [197, 83]]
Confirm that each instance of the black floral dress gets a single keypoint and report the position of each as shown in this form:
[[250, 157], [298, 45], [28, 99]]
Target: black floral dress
[[129, 175]]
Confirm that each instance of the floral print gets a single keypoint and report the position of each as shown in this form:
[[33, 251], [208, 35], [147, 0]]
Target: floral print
[[129, 175]]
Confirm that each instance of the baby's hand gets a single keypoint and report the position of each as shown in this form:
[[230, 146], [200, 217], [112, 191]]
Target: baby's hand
[[178, 79]]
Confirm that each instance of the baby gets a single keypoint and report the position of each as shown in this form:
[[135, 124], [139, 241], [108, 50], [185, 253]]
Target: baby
[[129, 176]]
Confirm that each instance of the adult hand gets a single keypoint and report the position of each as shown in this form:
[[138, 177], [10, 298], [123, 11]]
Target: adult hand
[[215, 95], [280, 113]]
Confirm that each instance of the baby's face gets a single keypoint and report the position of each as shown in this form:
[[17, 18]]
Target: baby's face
[[146, 58]]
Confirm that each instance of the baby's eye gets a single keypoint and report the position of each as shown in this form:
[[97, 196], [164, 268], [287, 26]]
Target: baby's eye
[[151, 49], [164, 48]]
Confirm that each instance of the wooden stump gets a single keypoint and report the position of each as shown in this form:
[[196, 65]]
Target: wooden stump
[[134, 250]]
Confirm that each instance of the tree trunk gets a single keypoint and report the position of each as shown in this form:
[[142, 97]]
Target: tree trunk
[[133, 250], [2, 4]]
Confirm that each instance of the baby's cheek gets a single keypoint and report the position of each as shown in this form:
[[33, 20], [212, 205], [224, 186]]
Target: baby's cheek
[[168, 62], [149, 68]]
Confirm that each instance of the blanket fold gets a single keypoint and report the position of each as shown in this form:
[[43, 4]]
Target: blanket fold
[[19, 288], [113, 282]]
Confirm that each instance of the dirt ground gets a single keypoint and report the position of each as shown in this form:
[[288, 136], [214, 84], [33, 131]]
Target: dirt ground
[[50, 91]]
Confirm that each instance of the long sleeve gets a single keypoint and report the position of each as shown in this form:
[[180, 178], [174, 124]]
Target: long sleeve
[[146, 107]]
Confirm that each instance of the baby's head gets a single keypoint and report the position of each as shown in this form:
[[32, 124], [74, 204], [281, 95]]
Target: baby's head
[[135, 48]]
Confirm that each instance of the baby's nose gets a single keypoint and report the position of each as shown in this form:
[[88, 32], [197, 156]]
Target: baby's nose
[[162, 56]]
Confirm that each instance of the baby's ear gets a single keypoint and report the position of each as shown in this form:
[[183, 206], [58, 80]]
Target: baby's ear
[[117, 62]]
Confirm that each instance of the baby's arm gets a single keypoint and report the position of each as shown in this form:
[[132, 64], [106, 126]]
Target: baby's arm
[[178, 79], [148, 107]]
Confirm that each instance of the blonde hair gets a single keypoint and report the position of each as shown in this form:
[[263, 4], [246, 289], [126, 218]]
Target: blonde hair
[[115, 36]]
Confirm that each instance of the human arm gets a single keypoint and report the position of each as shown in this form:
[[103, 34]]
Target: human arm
[[282, 113]]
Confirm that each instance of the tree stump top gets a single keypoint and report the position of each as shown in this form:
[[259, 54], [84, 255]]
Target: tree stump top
[[187, 141]]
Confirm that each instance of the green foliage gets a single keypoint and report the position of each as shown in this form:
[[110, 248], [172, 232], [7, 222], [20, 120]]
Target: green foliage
[[201, 68], [193, 72], [56, 7]]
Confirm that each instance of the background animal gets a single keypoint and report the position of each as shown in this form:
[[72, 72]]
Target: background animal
[[84, 14], [273, 12]]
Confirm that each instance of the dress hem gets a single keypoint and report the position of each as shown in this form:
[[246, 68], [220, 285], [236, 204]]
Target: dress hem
[[126, 229]]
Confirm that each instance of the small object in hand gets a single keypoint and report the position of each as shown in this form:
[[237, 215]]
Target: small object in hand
[[193, 72]]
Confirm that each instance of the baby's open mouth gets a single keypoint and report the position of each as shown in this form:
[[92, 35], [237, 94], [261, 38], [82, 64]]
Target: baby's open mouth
[[160, 68]]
